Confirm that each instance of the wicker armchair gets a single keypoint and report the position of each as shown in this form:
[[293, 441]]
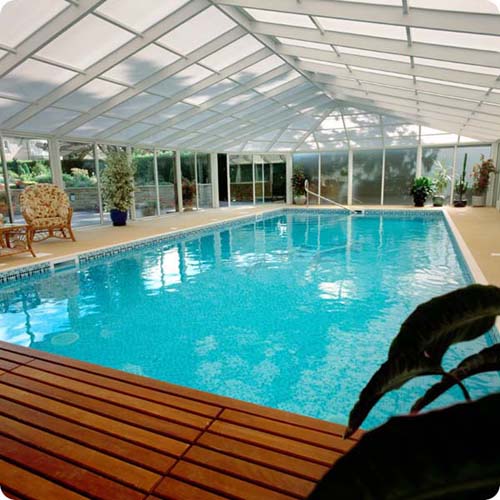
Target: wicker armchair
[[47, 212]]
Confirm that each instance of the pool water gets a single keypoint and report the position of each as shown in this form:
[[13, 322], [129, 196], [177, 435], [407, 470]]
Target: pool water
[[295, 311]]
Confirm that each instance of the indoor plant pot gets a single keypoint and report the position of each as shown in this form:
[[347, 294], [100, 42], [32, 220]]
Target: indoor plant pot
[[438, 201], [299, 199], [118, 217], [478, 200], [481, 178], [299, 186], [422, 187], [460, 203]]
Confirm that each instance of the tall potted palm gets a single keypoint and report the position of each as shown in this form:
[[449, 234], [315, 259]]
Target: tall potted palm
[[298, 186], [118, 186], [481, 178], [439, 183]]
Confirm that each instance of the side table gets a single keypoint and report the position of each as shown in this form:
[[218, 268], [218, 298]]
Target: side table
[[14, 239]]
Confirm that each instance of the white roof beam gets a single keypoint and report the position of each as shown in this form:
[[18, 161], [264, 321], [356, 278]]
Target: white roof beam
[[43, 36], [417, 49], [466, 22], [158, 77], [128, 49]]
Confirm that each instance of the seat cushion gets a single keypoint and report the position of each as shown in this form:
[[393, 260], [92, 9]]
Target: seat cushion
[[46, 222]]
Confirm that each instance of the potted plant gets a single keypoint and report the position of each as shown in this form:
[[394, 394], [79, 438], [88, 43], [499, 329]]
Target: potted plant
[[118, 186], [422, 187], [439, 184], [481, 178], [461, 187], [188, 193], [298, 186]]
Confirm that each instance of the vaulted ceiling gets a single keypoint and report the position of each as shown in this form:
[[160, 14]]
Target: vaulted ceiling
[[248, 75]]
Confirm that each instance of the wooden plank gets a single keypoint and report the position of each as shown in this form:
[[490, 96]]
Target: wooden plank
[[70, 476], [172, 489], [20, 359], [288, 430], [93, 409], [278, 443], [100, 441], [25, 484], [299, 467], [101, 463], [257, 474], [222, 483], [7, 365], [127, 388], [126, 400]]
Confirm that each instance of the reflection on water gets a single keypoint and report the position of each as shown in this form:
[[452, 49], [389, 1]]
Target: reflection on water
[[294, 312]]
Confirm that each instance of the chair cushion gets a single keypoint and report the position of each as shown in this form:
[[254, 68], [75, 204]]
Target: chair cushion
[[45, 200], [46, 222]]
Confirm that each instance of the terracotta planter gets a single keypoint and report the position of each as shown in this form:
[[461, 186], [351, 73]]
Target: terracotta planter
[[479, 201]]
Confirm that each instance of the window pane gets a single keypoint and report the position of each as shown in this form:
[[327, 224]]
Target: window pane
[[204, 180], [27, 164], [432, 155], [145, 187], [240, 172], [275, 175], [367, 177], [188, 180], [334, 176], [309, 162], [400, 169], [166, 176], [80, 182], [473, 156]]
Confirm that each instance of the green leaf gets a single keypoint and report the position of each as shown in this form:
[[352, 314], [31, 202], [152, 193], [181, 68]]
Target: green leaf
[[424, 338], [487, 360], [436, 455]]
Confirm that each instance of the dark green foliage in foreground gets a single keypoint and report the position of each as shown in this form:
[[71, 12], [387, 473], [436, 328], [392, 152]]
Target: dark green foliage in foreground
[[423, 340], [450, 454]]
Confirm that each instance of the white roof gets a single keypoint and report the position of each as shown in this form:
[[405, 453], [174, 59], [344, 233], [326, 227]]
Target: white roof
[[248, 75]]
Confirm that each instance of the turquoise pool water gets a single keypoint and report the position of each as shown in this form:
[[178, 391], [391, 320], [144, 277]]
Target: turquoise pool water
[[295, 311]]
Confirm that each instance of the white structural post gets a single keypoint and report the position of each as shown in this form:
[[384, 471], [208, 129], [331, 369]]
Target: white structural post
[[453, 170], [419, 169], [253, 180], [288, 175], [490, 194], [214, 178], [178, 181], [349, 176], [133, 213], [157, 186], [55, 163], [228, 177], [6, 180], [196, 181], [98, 176], [382, 184], [319, 179]]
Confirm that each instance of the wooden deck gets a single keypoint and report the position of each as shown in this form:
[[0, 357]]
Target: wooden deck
[[72, 430]]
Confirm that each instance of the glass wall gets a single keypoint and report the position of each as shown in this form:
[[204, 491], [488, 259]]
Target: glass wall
[[334, 169], [367, 177], [430, 159], [400, 171], [189, 191], [27, 164], [241, 177], [80, 182], [309, 162], [204, 180], [275, 172], [473, 156], [145, 185], [166, 181]]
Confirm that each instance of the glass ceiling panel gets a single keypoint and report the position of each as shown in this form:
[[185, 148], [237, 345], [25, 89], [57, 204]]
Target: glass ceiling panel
[[325, 63], [454, 39], [200, 117], [396, 3], [479, 6], [73, 47], [360, 120], [372, 53], [379, 72], [21, 18], [234, 101], [126, 134], [168, 113], [9, 108], [289, 19], [181, 81], [210, 92], [140, 15], [49, 119], [32, 80], [258, 69], [134, 105], [90, 95], [232, 53], [276, 82], [199, 30], [93, 127], [332, 122], [457, 66], [141, 65], [362, 28], [293, 135], [401, 130], [302, 43], [439, 139]]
